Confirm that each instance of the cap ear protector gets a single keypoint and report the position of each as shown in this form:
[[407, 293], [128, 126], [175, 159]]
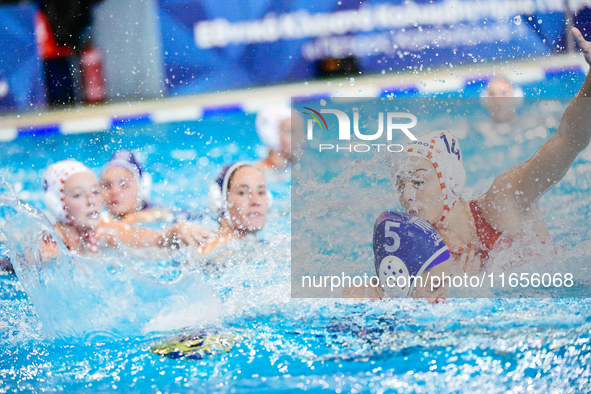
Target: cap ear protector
[[456, 179], [405, 246], [145, 188], [218, 191], [392, 266], [215, 198]]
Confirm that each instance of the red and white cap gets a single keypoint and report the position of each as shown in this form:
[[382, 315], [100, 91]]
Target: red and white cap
[[54, 178], [442, 149]]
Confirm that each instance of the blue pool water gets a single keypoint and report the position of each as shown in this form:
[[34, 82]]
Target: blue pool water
[[464, 345]]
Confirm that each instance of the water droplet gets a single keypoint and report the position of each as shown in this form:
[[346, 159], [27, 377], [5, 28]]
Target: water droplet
[[517, 20], [415, 24], [323, 102], [539, 21], [352, 81]]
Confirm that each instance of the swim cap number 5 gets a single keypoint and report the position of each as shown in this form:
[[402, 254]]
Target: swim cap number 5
[[392, 234]]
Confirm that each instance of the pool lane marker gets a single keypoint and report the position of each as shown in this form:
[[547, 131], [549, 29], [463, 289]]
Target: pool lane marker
[[87, 125], [8, 134], [181, 114]]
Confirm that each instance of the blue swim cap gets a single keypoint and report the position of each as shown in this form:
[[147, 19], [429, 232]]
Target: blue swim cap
[[405, 245]]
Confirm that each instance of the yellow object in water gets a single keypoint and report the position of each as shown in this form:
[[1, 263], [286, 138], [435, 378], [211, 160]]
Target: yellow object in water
[[197, 346]]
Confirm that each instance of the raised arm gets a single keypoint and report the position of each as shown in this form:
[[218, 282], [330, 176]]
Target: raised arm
[[551, 162]]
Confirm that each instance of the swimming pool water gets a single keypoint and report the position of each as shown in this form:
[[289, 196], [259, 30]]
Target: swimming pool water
[[464, 345]]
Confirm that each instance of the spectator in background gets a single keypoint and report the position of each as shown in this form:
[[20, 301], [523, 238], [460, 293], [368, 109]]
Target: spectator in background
[[62, 35]]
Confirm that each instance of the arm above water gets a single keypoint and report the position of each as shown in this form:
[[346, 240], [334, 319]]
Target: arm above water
[[115, 234], [191, 234], [147, 216], [551, 162]]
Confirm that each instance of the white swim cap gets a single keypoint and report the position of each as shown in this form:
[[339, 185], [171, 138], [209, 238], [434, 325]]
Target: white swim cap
[[126, 159], [442, 149], [268, 122], [54, 178]]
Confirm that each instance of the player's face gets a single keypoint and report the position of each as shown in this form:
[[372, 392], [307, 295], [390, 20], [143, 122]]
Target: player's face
[[419, 190], [248, 202], [82, 200], [120, 191]]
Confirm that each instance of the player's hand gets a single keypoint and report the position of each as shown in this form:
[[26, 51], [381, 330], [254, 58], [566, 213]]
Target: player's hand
[[583, 44], [190, 234], [468, 263], [49, 248]]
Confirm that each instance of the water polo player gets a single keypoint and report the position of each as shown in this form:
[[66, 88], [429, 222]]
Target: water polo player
[[277, 129], [241, 199], [430, 183], [73, 196], [126, 190]]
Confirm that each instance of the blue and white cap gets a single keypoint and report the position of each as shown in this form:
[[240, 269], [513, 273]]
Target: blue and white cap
[[126, 159], [405, 246]]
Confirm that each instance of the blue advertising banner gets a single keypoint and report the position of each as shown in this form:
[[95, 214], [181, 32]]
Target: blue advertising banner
[[21, 75], [211, 45]]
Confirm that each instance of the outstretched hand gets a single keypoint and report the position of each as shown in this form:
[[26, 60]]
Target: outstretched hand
[[584, 44], [190, 234]]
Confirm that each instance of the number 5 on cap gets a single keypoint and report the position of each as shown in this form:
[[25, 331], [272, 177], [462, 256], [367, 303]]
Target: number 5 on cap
[[393, 235]]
